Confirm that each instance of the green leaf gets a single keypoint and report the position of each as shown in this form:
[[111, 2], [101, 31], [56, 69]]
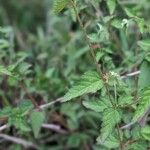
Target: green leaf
[[59, 5], [143, 105], [125, 100], [73, 14], [90, 82], [75, 139], [144, 78], [117, 23], [24, 68], [16, 119], [94, 38], [19, 123], [99, 55], [130, 12], [144, 44], [3, 70], [111, 5], [137, 146], [4, 44], [110, 118], [112, 142], [37, 119], [96, 105], [145, 132], [5, 112], [25, 106], [142, 25]]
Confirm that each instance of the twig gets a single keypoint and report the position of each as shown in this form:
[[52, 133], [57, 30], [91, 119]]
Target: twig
[[51, 103], [3, 127], [127, 125], [54, 127], [129, 142], [16, 140], [44, 106], [130, 74], [143, 119]]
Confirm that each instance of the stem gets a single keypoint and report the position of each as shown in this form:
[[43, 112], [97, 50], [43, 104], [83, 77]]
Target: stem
[[19, 141], [99, 70], [115, 92], [98, 67]]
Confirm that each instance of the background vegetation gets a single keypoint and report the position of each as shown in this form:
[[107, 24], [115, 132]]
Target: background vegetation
[[44, 49]]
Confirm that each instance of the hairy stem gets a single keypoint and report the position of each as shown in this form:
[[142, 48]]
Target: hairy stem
[[98, 67]]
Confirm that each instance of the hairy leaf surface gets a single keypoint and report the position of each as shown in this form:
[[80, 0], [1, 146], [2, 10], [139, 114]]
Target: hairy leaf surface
[[96, 105], [90, 82], [110, 118], [144, 104], [37, 119], [59, 5]]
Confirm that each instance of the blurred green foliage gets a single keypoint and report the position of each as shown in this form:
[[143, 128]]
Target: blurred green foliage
[[42, 54]]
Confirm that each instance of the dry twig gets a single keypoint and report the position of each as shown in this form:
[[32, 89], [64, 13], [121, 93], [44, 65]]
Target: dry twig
[[16, 140]]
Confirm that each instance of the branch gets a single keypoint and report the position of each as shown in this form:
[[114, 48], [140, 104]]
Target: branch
[[16, 140], [44, 106], [130, 74], [127, 125], [54, 127], [51, 103], [3, 127], [143, 119]]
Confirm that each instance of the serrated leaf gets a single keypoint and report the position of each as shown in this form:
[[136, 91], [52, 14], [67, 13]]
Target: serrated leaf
[[112, 142], [110, 118], [59, 5], [25, 106], [90, 82], [143, 105], [16, 119], [117, 23], [99, 55], [19, 123], [96, 105], [37, 119], [5, 112], [125, 100], [144, 44], [137, 146], [24, 68], [145, 132], [111, 5], [75, 139], [3, 70]]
